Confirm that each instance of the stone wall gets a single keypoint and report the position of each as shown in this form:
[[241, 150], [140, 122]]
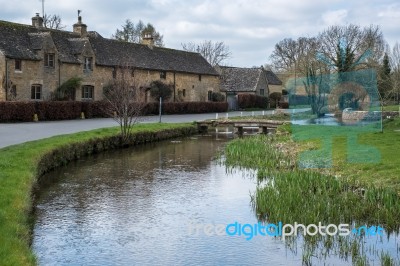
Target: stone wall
[[275, 88], [188, 87], [2, 77], [365, 115]]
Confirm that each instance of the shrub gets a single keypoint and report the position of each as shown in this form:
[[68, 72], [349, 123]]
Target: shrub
[[17, 111], [160, 89], [95, 109], [252, 101], [217, 97], [284, 105], [66, 110], [274, 98], [58, 110], [67, 90]]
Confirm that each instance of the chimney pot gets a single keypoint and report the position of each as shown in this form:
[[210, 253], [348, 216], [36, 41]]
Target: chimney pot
[[37, 21]]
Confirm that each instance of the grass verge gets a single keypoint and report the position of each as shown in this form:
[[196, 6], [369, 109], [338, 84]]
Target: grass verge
[[21, 167]]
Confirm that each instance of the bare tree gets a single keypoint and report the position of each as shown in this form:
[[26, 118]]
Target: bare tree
[[125, 100], [214, 52], [53, 22], [395, 65], [351, 47]]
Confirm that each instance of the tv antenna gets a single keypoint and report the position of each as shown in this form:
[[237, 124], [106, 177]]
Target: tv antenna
[[42, 8]]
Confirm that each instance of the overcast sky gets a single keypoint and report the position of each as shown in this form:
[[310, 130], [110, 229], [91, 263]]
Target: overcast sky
[[249, 28]]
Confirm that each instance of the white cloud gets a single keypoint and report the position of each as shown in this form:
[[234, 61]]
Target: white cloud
[[336, 17], [250, 29]]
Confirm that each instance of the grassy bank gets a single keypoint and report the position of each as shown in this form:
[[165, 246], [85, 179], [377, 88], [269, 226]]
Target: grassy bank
[[21, 165], [363, 193]]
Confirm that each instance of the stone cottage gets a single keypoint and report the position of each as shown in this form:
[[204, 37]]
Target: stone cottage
[[239, 80], [34, 61]]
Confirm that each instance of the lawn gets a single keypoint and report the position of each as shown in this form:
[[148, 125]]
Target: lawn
[[367, 155], [18, 176]]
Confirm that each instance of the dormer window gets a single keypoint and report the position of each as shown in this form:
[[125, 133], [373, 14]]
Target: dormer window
[[49, 60], [88, 64]]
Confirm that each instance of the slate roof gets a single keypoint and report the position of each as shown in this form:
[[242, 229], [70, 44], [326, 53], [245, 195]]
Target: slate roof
[[236, 79], [272, 78], [113, 53], [23, 41], [16, 42]]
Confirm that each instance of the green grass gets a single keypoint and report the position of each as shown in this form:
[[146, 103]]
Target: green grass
[[366, 192], [18, 176], [376, 153]]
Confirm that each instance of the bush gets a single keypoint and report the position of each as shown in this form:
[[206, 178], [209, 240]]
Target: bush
[[217, 97], [274, 99], [58, 110], [95, 109], [17, 111], [284, 105], [160, 89], [187, 107], [66, 110], [252, 101]]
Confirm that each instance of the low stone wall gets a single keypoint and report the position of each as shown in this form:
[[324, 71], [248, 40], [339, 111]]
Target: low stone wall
[[366, 116]]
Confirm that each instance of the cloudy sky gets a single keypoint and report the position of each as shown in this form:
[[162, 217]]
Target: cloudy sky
[[249, 28]]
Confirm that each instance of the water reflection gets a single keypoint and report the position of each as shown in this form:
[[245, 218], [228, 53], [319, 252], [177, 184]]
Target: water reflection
[[133, 207]]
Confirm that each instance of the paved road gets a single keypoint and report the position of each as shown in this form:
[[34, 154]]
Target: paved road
[[11, 134]]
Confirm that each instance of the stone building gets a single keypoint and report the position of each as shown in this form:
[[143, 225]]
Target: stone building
[[34, 61], [238, 80]]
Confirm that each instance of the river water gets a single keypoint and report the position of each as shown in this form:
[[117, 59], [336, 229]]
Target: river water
[[149, 205]]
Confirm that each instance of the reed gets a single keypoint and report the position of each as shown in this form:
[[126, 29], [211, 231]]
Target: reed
[[289, 194]]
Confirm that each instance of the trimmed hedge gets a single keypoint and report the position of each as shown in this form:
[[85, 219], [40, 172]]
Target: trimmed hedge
[[252, 101], [66, 110]]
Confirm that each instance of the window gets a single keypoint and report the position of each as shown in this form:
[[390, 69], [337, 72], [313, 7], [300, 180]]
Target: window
[[49, 60], [262, 92], [133, 72], [13, 91], [114, 73], [88, 63], [199, 77], [163, 74], [18, 65], [87, 92], [36, 92], [210, 95], [184, 93]]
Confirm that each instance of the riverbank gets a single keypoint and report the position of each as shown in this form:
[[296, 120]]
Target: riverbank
[[351, 193], [22, 165]]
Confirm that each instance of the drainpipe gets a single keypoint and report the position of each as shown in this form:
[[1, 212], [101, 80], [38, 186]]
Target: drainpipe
[[6, 87], [174, 86], [59, 72]]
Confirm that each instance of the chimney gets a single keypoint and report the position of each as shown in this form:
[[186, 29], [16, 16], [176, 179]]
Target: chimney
[[80, 27], [37, 21], [148, 40]]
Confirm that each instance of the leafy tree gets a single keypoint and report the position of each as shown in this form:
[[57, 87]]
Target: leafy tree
[[214, 52], [385, 82], [134, 33], [160, 89]]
